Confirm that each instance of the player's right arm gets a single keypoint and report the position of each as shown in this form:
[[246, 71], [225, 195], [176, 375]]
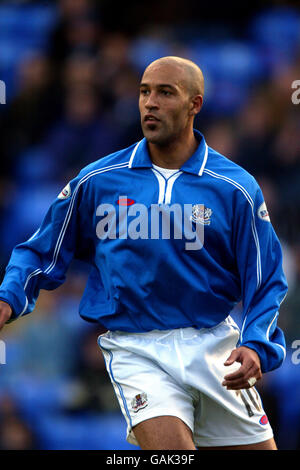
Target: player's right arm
[[5, 313], [41, 262]]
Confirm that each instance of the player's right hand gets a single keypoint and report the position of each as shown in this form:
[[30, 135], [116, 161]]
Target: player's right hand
[[5, 313]]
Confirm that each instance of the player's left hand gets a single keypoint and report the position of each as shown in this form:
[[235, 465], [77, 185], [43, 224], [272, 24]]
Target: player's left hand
[[250, 367]]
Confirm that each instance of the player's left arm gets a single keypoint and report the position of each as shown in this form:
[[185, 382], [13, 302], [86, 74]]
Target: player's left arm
[[250, 367], [263, 284]]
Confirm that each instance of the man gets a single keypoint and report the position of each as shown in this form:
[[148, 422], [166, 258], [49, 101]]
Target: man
[[180, 367]]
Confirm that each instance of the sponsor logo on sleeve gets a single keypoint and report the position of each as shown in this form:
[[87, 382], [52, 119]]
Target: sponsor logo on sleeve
[[263, 213], [65, 193]]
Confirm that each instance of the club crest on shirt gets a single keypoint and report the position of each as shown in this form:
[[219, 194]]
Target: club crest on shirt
[[65, 193], [201, 214], [263, 212], [139, 402]]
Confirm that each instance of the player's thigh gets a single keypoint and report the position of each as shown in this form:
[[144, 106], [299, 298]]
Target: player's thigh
[[237, 421], [225, 418], [269, 444], [146, 391], [164, 433]]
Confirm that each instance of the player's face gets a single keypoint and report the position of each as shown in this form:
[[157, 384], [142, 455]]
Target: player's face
[[164, 104]]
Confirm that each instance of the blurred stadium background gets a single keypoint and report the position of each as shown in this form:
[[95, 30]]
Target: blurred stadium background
[[71, 70]]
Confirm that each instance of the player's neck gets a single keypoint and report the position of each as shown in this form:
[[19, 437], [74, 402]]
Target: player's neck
[[175, 154]]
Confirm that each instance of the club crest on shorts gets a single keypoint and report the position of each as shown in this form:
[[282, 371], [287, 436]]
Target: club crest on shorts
[[139, 402], [201, 214]]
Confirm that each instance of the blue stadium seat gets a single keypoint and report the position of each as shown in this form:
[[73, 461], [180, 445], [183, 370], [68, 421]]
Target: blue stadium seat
[[23, 29], [145, 50], [229, 68], [35, 165], [28, 214], [35, 396], [284, 384], [10, 53], [278, 30], [236, 61], [83, 432], [18, 19]]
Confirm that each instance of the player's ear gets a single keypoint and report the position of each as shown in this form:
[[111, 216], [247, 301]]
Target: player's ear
[[195, 104]]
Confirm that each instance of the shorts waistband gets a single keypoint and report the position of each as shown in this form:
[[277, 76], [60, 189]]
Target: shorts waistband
[[183, 332]]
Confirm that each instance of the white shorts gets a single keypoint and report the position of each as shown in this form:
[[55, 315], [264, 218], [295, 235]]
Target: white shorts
[[180, 373]]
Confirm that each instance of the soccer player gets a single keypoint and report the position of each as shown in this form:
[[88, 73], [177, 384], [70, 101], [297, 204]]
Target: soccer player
[[176, 235]]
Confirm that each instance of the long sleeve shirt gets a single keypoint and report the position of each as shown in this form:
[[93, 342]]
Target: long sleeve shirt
[[164, 253]]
